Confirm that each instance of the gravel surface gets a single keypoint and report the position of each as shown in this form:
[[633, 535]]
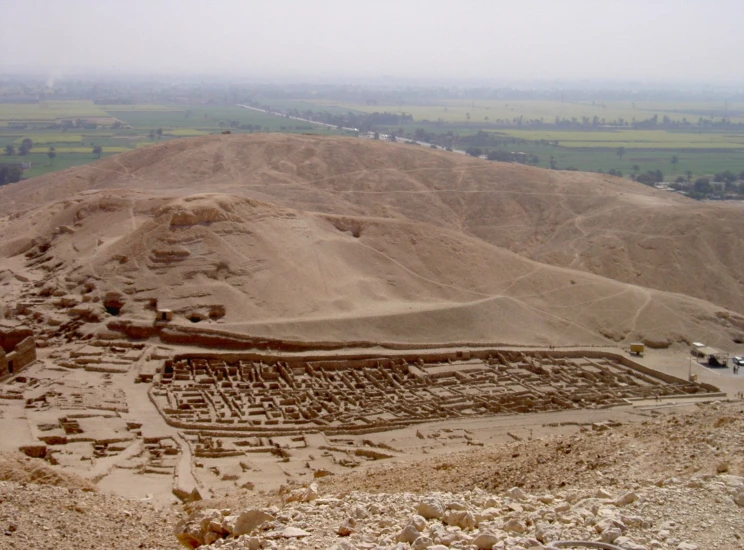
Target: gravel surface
[[44, 517], [671, 483]]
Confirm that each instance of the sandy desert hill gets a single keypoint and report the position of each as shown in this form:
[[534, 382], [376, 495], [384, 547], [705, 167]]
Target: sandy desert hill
[[332, 238], [591, 222], [341, 249]]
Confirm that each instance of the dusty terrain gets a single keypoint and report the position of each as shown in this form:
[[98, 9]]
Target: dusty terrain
[[590, 222], [379, 319], [672, 481], [374, 242]]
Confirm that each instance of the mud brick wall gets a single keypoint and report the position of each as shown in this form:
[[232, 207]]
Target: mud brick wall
[[11, 337], [19, 357]]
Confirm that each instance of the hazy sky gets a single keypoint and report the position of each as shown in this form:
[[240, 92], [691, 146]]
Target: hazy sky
[[681, 40]]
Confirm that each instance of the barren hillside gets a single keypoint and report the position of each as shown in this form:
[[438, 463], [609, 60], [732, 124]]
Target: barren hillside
[[376, 242], [239, 265], [358, 247], [589, 222]]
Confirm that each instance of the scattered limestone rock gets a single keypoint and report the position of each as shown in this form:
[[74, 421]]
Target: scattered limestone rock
[[516, 493], [459, 518], [485, 540], [289, 533], [418, 522], [514, 526], [626, 499], [610, 534], [430, 508], [247, 521], [307, 494], [408, 534], [347, 527], [421, 543]]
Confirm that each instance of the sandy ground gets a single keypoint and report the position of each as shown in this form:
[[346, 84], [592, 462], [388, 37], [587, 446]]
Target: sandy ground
[[365, 248], [130, 468]]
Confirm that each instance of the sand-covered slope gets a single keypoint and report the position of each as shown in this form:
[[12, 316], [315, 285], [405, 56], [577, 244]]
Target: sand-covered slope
[[240, 265], [590, 222]]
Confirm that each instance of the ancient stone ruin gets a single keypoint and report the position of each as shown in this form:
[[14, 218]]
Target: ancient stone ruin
[[17, 349], [359, 395]]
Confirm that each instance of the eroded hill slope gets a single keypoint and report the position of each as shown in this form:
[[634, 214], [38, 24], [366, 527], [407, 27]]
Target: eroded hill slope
[[589, 222], [239, 265]]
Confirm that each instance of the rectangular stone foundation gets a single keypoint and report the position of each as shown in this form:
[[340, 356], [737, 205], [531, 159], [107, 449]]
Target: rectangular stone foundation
[[375, 393]]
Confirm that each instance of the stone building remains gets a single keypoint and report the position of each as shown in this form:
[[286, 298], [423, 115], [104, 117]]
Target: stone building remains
[[17, 349]]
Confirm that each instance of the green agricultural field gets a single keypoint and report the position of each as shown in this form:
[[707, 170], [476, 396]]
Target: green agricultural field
[[206, 119], [75, 147], [492, 111], [701, 152], [305, 105], [41, 165], [636, 139], [44, 139], [88, 150], [186, 132], [50, 111], [696, 161], [142, 107]]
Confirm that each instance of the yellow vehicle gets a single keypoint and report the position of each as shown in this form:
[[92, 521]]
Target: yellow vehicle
[[637, 348]]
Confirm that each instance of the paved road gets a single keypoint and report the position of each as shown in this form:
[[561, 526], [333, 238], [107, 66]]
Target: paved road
[[383, 137]]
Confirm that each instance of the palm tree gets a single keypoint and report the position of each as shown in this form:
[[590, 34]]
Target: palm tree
[[51, 154], [97, 150], [675, 160], [10, 150]]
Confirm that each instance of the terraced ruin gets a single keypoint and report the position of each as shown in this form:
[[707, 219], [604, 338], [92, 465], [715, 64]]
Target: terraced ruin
[[361, 395]]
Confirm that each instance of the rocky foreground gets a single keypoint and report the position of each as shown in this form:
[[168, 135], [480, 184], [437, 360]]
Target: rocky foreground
[[671, 483], [668, 515], [49, 517]]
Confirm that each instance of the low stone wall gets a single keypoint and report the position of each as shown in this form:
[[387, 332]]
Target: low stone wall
[[366, 359], [285, 367], [624, 360]]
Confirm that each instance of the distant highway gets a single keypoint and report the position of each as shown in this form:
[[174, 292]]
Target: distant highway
[[383, 137], [282, 115]]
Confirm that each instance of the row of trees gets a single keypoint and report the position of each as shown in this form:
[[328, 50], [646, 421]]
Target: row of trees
[[26, 145], [504, 156], [23, 149], [364, 122], [10, 173]]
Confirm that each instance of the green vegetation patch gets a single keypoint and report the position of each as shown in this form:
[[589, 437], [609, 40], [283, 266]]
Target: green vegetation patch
[[50, 111], [510, 111], [143, 107], [183, 132], [44, 139], [637, 139], [88, 150]]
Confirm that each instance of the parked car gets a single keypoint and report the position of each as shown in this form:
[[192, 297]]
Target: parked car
[[737, 360]]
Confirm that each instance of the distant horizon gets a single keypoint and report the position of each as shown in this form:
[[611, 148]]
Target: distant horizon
[[381, 81], [485, 41]]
